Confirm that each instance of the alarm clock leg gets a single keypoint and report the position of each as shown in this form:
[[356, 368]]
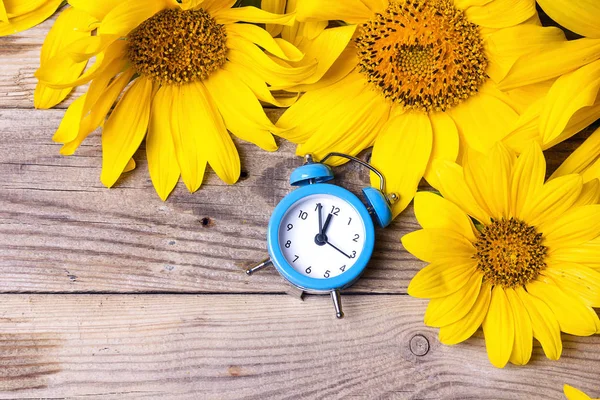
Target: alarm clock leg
[[264, 264], [337, 303]]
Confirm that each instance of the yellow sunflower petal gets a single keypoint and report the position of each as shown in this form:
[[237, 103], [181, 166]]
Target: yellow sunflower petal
[[22, 22], [276, 7], [521, 351], [454, 188], [501, 13], [98, 112], [128, 14], [483, 120], [213, 6], [446, 310], [573, 316], [543, 323], [326, 48], [131, 165], [552, 200], [441, 278], [341, 68], [257, 85], [578, 122], [445, 144], [590, 194], [69, 126], [162, 158], [125, 130], [349, 128], [499, 329], [465, 327], [222, 155], [97, 9], [582, 157], [435, 212], [551, 62], [581, 16], [505, 46], [406, 137], [251, 14], [570, 93], [574, 394], [435, 244], [375, 5], [351, 11], [302, 119], [189, 127], [64, 32], [573, 227], [3, 14], [577, 280], [489, 178], [261, 37], [247, 54], [241, 110], [528, 178], [587, 253]]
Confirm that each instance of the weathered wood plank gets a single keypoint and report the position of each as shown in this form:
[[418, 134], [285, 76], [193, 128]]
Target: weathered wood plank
[[257, 347], [61, 230]]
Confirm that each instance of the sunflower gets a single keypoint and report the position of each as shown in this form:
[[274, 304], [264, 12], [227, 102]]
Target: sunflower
[[181, 74], [413, 79], [19, 15], [529, 264], [573, 101], [574, 394]]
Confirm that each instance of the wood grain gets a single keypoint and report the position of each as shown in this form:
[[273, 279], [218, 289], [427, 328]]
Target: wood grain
[[62, 231], [114, 294], [257, 347]]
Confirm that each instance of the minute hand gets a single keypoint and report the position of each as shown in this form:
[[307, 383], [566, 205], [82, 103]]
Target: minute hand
[[338, 250]]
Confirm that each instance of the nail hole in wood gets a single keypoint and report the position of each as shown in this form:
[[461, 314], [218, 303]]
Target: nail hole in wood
[[206, 222]]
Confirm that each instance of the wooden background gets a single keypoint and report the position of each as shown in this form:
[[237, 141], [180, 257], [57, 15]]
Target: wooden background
[[115, 294]]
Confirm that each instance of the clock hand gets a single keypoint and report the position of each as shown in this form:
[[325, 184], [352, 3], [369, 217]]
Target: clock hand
[[327, 221], [320, 208], [338, 249]]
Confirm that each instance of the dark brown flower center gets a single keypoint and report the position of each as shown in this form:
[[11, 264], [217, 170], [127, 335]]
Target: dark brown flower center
[[178, 46], [422, 54], [510, 253]]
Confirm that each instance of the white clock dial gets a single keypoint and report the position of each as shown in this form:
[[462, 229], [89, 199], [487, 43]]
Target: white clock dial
[[322, 256]]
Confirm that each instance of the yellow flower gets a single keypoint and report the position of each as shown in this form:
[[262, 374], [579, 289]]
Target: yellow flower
[[197, 73], [574, 394], [585, 160], [572, 102], [412, 79], [19, 15], [528, 267]]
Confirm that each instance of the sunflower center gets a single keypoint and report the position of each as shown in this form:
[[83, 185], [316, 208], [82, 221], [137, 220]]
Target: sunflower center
[[424, 55], [178, 46], [510, 253]]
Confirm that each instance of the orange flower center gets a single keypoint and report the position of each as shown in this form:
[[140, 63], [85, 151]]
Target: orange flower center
[[424, 55], [510, 253], [178, 46]]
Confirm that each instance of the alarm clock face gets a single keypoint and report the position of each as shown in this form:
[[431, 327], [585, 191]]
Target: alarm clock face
[[322, 236]]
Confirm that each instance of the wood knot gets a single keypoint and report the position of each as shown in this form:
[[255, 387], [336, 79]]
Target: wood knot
[[419, 345], [234, 370]]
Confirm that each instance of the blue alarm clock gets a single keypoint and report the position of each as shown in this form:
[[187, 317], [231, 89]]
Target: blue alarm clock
[[321, 236]]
